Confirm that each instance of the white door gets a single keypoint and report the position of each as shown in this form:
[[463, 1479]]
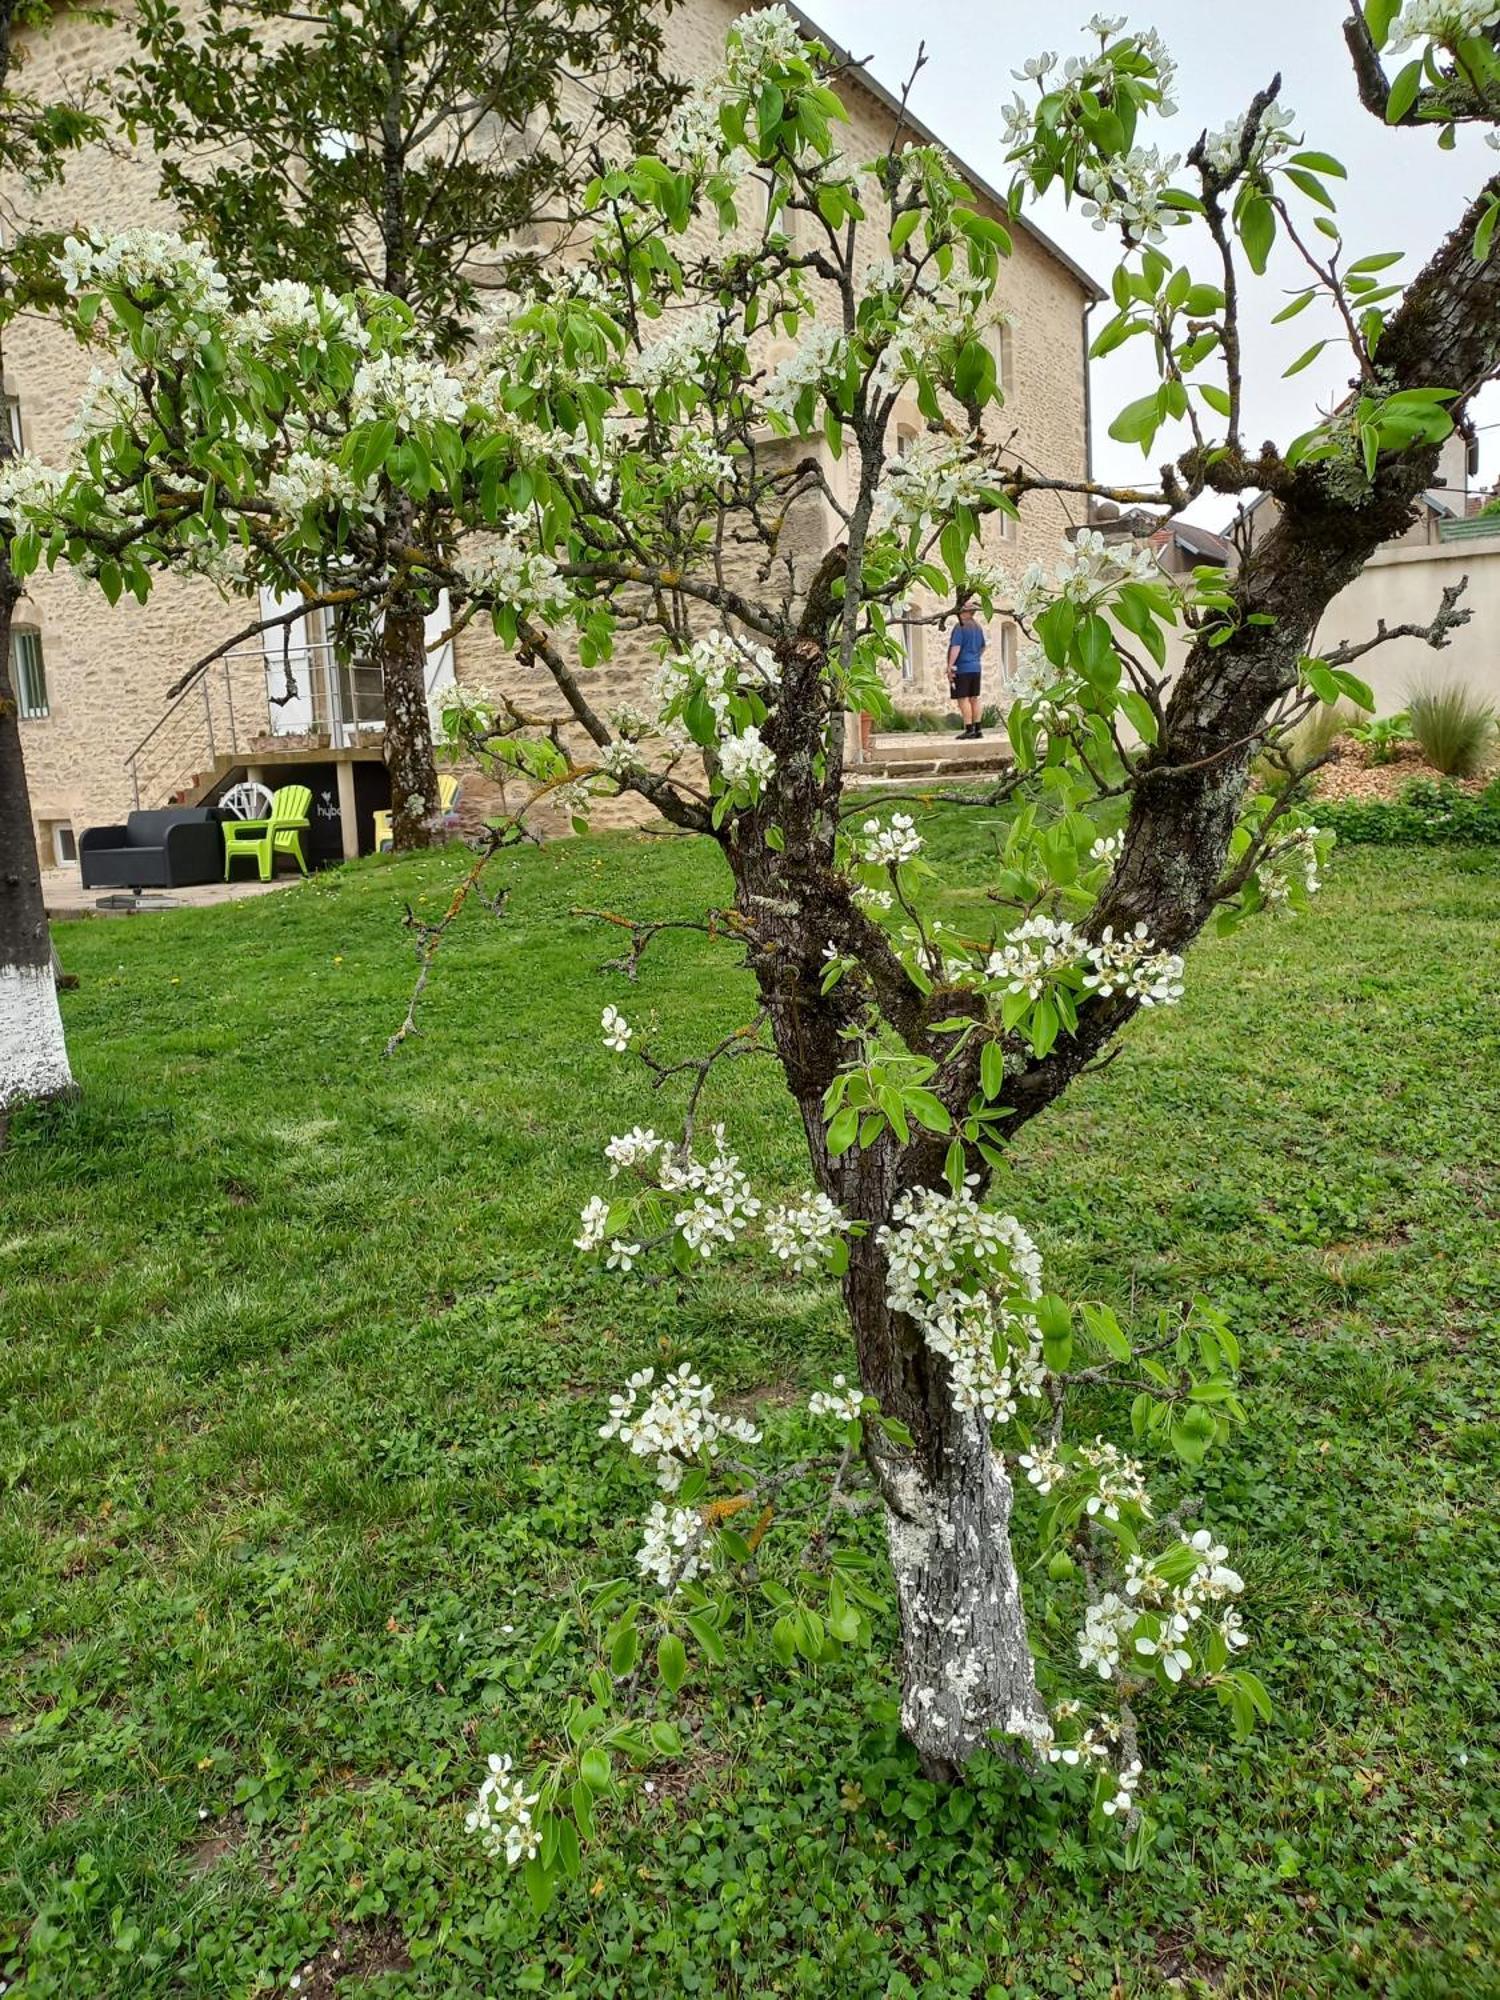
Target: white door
[[288, 668]]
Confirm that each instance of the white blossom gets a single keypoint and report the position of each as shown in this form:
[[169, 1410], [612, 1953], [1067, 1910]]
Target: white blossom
[[1106, 1626], [677, 1426], [668, 1548], [801, 1234], [840, 1402], [617, 1030], [745, 760], [821, 349], [502, 1815], [1445, 21], [594, 1218], [1129, 190], [407, 388], [636, 1148], [1043, 1467], [1118, 1481], [1133, 966], [891, 845]]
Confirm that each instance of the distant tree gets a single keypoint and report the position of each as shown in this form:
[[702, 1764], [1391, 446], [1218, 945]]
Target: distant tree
[[35, 141], [408, 148]]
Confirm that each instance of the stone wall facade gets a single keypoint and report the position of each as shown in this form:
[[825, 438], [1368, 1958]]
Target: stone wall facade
[[108, 668]]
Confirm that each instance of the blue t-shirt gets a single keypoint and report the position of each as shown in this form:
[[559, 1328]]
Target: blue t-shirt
[[969, 639]]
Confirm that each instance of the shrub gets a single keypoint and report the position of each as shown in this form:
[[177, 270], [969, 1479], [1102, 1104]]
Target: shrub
[[1425, 815], [1379, 736], [1454, 727]]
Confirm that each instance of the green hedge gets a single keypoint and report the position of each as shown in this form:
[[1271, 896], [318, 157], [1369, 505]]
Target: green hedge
[[1426, 814]]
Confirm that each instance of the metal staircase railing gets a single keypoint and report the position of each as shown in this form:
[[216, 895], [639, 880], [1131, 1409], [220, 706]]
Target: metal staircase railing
[[235, 711]]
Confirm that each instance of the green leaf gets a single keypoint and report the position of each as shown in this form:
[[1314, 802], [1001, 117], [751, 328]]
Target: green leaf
[[1106, 1330], [624, 1650], [843, 1131], [1304, 360], [1324, 163], [1216, 398], [1358, 691], [671, 1662], [928, 1110], [1299, 304], [708, 1638], [1403, 93], [594, 1769], [582, 1801], [953, 1167], [1484, 234], [992, 1069], [1379, 15], [1138, 422], [1257, 226]]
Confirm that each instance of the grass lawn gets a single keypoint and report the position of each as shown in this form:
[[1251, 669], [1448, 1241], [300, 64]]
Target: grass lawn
[[299, 1393]]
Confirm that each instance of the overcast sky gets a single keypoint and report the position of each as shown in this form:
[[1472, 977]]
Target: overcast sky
[[1401, 194]]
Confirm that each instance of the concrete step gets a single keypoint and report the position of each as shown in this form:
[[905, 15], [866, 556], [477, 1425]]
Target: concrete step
[[914, 757]]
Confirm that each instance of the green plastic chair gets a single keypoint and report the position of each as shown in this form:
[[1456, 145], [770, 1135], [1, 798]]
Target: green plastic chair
[[263, 839]]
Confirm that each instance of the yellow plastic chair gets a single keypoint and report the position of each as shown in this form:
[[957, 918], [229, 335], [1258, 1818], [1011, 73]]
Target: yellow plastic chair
[[447, 793], [263, 839]]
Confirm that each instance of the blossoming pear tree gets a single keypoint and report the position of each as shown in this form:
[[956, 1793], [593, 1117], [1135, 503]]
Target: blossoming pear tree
[[643, 452]]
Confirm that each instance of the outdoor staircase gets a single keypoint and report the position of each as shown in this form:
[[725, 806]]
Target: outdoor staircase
[[914, 759]]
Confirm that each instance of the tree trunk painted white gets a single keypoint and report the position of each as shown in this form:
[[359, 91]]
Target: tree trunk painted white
[[33, 1053], [967, 1673]]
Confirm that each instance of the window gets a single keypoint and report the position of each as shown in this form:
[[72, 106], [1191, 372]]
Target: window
[[1009, 651], [13, 422], [1002, 346], [911, 646], [28, 673], [59, 835]]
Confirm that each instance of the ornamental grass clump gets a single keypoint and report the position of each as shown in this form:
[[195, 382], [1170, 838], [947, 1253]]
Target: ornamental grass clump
[[1455, 728]]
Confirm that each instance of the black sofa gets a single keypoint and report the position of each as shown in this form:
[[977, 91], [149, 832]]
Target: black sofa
[[172, 849]]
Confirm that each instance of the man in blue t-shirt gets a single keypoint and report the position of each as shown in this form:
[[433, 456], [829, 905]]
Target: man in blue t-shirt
[[965, 660]]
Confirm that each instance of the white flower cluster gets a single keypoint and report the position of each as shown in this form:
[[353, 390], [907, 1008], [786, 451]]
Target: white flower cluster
[[1032, 675], [1178, 1607], [1445, 21], [595, 1220], [822, 349], [746, 760], [680, 354], [1034, 953], [800, 1234], [407, 388], [722, 1203], [965, 1275], [617, 1034], [28, 485], [638, 1147], [1096, 1742], [891, 845], [678, 1425], [502, 1816], [1131, 191], [1126, 1781], [285, 309], [1108, 847], [1089, 570], [718, 665], [1044, 1467], [840, 1402], [1273, 142], [923, 485], [503, 570], [1133, 966], [1107, 1626], [1292, 863], [310, 480], [1118, 1481], [758, 44], [141, 261], [670, 1539], [957, 311]]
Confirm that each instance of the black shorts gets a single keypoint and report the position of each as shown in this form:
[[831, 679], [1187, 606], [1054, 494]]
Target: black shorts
[[966, 686]]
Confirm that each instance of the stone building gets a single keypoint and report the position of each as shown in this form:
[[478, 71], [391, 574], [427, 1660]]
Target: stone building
[[101, 734]]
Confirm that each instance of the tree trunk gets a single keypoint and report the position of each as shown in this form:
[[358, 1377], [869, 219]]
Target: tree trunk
[[408, 728], [966, 1664], [33, 1054]]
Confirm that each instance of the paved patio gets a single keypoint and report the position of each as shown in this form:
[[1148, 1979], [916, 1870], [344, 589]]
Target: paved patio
[[65, 896]]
